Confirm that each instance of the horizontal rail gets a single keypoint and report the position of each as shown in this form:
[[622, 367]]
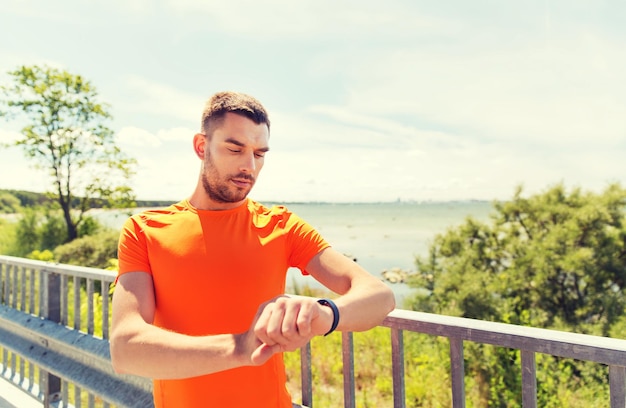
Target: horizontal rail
[[602, 350], [60, 269], [77, 357]]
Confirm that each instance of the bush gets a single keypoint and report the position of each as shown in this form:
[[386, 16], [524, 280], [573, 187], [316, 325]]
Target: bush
[[94, 251], [53, 232], [45, 255], [27, 238], [89, 226]]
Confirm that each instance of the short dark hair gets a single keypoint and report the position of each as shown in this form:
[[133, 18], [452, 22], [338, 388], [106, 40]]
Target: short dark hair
[[239, 103]]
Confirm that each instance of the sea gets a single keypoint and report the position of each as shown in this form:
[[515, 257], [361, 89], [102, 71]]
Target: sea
[[379, 236]]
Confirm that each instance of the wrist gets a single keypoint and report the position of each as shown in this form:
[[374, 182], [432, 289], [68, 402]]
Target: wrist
[[241, 352], [335, 313]]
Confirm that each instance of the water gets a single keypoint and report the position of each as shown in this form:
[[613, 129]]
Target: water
[[379, 236]]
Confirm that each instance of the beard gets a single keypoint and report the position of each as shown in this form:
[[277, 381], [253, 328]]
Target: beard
[[218, 188]]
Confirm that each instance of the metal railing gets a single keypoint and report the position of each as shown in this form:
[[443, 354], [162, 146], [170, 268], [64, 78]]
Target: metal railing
[[50, 346], [48, 335]]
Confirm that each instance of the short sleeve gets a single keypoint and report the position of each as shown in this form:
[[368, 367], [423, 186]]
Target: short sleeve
[[304, 243], [132, 249]]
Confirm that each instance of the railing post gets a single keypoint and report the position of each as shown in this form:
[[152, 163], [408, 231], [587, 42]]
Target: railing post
[[457, 366], [529, 380], [6, 278], [104, 288], [347, 345], [617, 381], [306, 377], [397, 363], [51, 384]]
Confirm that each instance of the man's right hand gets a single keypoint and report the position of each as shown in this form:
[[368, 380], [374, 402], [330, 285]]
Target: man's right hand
[[282, 324]]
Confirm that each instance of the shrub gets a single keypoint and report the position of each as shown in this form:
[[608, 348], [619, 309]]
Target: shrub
[[53, 232], [45, 255], [27, 238], [89, 226], [93, 250]]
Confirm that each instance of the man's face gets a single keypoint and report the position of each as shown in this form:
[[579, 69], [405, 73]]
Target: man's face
[[233, 158]]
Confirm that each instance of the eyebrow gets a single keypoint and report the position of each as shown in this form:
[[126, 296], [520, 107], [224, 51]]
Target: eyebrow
[[238, 143]]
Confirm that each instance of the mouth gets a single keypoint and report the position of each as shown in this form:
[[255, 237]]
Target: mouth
[[242, 182]]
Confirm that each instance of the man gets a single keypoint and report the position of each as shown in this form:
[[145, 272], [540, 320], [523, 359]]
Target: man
[[199, 304]]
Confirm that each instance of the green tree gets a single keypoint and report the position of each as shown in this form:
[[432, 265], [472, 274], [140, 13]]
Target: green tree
[[9, 204], [554, 260], [65, 133]]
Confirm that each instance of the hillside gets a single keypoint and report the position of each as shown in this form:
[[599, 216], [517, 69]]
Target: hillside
[[12, 200]]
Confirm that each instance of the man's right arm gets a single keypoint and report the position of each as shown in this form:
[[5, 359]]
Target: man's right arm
[[140, 348]]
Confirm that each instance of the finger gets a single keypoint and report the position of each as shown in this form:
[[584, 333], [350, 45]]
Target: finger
[[305, 317], [262, 322], [290, 321], [273, 327]]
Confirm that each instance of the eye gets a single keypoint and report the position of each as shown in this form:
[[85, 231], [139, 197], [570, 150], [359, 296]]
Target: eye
[[259, 155]]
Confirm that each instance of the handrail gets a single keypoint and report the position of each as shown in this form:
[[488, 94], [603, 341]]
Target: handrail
[[529, 340], [35, 308]]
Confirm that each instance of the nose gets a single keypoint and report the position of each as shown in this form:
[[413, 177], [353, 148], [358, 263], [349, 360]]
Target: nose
[[248, 163]]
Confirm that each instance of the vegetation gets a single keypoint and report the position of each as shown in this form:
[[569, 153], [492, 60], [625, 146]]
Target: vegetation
[[9, 203], [98, 250], [65, 133], [554, 260], [31, 199], [7, 236]]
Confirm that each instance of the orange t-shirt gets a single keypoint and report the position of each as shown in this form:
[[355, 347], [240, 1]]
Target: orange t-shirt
[[211, 271]]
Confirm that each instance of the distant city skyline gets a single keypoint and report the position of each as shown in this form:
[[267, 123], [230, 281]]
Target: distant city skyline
[[413, 101]]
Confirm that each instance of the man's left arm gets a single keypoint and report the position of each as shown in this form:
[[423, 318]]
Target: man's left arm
[[291, 321], [365, 300]]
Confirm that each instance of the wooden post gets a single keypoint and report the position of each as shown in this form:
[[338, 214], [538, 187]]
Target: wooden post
[[397, 363], [51, 384], [457, 366]]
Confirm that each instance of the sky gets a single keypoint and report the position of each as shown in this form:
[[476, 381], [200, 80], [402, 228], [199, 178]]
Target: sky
[[369, 101]]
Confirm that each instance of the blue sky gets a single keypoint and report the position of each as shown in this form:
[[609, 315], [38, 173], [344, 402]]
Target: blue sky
[[369, 100]]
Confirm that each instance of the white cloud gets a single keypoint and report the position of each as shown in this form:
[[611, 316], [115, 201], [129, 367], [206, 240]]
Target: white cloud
[[176, 134], [385, 132], [567, 93], [133, 136], [137, 137], [320, 19], [162, 99], [17, 173]]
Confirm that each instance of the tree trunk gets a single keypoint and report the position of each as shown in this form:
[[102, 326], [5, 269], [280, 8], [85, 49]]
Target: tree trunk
[[72, 232]]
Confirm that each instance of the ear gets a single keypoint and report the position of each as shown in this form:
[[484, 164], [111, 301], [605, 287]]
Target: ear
[[199, 144]]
